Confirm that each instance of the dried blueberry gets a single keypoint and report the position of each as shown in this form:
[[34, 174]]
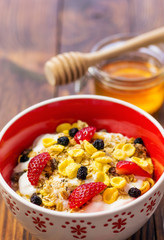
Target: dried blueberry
[[36, 199], [63, 141], [134, 192], [24, 156], [82, 173], [98, 144], [73, 131], [112, 171], [138, 140]]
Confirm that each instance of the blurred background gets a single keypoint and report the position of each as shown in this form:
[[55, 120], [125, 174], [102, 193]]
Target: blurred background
[[32, 31]]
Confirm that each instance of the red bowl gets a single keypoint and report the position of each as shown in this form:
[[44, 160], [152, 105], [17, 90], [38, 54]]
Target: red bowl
[[102, 112]]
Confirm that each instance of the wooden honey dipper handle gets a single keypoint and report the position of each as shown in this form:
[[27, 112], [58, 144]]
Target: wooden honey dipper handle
[[68, 67]]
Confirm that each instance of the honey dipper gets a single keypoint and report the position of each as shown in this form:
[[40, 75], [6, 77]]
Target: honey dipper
[[67, 67]]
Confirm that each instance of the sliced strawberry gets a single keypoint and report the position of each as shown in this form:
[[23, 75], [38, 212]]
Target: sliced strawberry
[[36, 166], [84, 193], [85, 134], [127, 167]]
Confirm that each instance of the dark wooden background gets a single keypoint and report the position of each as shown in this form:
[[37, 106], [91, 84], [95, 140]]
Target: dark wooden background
[[31, 31]]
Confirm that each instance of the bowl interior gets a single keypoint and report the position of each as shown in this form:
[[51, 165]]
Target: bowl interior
[[101, 113]]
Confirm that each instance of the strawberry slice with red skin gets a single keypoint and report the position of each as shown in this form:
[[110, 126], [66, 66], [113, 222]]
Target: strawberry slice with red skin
[[84, 193], [85, 134], [36, 166], [127, 168]]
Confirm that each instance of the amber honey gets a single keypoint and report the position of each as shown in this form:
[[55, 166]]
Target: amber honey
[[132, 70], [131, 83], [136, 77]]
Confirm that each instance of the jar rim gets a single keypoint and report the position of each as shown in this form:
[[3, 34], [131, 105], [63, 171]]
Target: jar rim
[[113, 81]]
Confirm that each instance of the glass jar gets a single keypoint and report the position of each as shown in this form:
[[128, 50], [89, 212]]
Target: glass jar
[[136, 77]]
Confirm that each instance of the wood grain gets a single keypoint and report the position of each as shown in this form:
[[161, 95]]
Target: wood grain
[[27, 39], [28, 32], [96, 20], [31, 32], [145, 15]]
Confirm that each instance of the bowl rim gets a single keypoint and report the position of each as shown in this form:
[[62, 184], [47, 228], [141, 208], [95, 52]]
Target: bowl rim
[[81, 215]]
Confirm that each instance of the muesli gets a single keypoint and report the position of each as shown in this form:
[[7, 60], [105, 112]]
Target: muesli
[[79, 169]]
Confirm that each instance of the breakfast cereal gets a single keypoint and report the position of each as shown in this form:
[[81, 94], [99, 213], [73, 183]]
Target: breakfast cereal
[[80, 169]]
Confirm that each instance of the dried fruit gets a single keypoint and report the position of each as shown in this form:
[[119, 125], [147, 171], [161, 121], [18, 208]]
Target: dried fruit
[[82, 172], [24, 156], [85, 134], [138, 140], [54, 164], [36, 199], [73, 131], [112, 171], [134, 192], [98, 144], [127, 167], [63, 141], [84, 193], [36, 166]]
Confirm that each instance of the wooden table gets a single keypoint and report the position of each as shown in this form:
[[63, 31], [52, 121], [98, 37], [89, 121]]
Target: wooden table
[[31, 32]]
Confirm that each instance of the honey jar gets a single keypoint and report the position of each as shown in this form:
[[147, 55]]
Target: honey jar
[[136, 77]]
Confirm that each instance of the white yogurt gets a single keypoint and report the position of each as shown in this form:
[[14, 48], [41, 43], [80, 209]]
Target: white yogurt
[[38, 145], [97, 205], [137, 184], [25, 186], [22, 166]]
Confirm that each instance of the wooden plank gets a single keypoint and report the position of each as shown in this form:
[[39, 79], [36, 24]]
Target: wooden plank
[[28, 38], [27, 32], [96, 20], [87, 22], [144, 17], [20, 90], [3, 219], [159, 221]]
